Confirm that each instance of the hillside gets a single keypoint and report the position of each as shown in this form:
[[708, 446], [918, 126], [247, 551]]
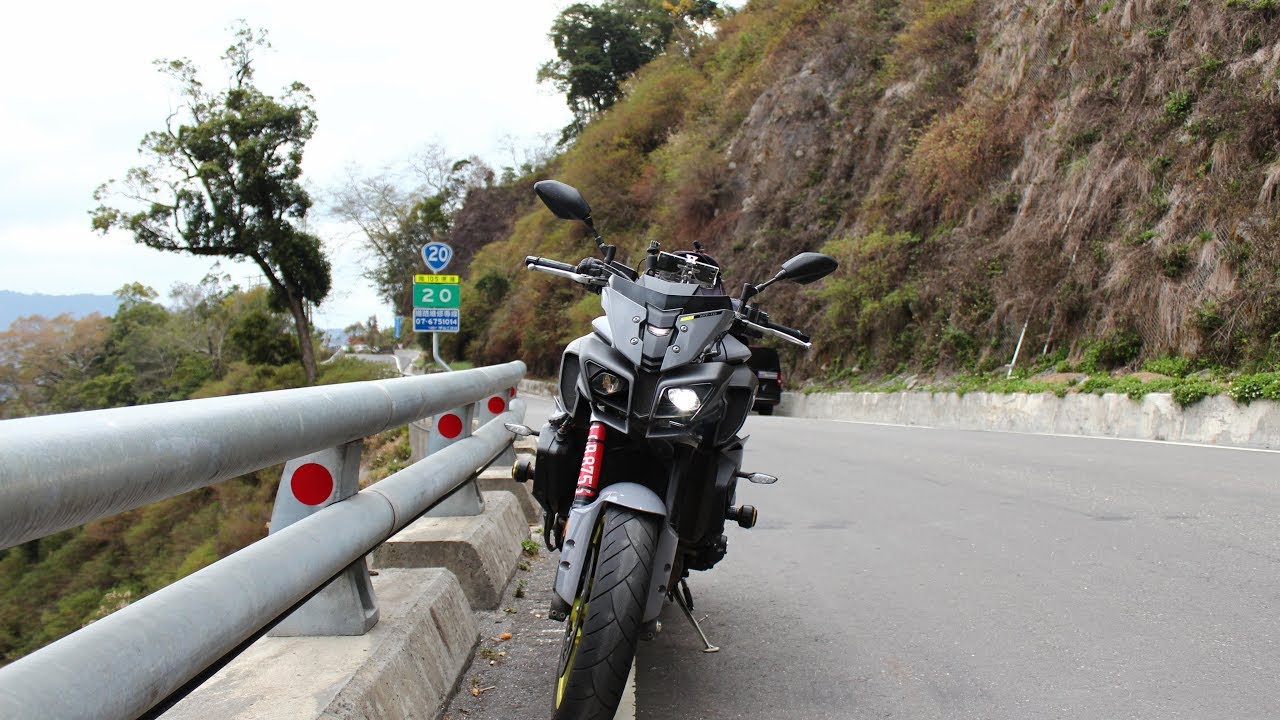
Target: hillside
[[1104, 172]]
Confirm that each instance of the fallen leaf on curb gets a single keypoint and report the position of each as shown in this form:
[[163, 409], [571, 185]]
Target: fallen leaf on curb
[[504, 636], [480, 691]]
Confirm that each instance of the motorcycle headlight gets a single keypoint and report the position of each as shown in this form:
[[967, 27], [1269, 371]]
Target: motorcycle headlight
[[606, 383], [682, 402]]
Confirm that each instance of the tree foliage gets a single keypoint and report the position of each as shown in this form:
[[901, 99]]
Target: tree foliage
[[600, 46], [223, 180], [397, 216], [39, 355]]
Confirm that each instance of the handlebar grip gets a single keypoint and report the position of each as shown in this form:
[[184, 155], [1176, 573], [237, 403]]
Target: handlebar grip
[[784, 329], [545, 262]]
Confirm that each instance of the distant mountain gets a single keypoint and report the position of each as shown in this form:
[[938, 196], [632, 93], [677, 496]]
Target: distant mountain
[[14, 305]]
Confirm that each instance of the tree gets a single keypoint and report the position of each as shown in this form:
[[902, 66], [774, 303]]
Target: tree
[[223, 181], [397, 221], [258, 333], [369, 333], [600, 46], [39, 356], [208, 310]]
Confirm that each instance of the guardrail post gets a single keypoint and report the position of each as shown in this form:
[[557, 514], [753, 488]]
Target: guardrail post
[[490, 408], [448, 428], [346, 606]]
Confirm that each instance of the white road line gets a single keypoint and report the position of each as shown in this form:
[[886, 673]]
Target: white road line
[[627, 706], [1147, 440], [868, 422], [1064, 435]]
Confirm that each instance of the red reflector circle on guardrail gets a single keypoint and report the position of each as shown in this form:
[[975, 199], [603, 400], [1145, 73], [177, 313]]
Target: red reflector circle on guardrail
[[311, 483], [449, 425], [497, 405]]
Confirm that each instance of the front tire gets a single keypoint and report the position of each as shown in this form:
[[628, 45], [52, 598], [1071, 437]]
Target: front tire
[[605, 620]]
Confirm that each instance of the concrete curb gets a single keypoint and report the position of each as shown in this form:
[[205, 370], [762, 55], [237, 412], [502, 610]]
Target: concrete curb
[[407, 666], [482, 550]]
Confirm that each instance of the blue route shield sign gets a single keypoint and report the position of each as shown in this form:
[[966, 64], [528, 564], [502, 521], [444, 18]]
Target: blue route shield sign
[[436, 255]]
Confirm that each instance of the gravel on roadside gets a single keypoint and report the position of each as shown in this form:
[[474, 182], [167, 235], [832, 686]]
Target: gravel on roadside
[[512, 674]]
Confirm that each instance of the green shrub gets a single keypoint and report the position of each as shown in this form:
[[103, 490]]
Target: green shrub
[[1266, 6], [1096, 385], [1175, 259], [1115, 350], [1193, 391], [243, 378], [1168, 365], [1177, 104], [1208, 317], [349, 369], [1262, 386]]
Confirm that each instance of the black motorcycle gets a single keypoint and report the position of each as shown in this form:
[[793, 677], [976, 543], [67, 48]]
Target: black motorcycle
[[637, 467]]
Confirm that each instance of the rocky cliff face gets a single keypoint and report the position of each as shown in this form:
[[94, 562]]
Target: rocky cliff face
[[1098, 170], [1090, 168]]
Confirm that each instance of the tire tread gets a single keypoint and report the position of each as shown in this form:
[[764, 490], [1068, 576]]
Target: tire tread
[[615, 615]]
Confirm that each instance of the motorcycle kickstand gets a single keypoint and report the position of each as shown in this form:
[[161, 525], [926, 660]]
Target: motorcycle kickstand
[[685, 600]]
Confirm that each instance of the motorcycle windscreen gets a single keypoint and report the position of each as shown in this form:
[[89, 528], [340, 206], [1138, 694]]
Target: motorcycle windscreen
[[625, 323], [693, 333]]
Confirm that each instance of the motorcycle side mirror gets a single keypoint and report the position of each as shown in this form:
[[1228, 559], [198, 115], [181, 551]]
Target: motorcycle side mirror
[[804, 268], [807, 267], [563, 200], [568, 204]]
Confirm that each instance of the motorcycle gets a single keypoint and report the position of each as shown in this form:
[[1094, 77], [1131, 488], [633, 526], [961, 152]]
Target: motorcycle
[[638, 465]]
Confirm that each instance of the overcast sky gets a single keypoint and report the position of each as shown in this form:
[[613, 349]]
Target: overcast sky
[[79, 92]]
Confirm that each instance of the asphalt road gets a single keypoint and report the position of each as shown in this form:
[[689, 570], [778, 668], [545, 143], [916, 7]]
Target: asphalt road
[[915, 573]]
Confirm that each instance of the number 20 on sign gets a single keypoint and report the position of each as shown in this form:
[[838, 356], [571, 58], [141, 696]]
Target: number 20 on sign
[[436, 291]]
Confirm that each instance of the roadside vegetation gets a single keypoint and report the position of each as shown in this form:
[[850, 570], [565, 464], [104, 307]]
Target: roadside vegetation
[[1181, 378], [212, 339]]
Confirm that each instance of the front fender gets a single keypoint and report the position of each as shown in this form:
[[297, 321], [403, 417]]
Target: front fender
[[582, 523]]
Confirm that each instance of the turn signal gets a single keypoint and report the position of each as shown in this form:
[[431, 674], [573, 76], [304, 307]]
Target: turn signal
[[522, 471], [744, 515]]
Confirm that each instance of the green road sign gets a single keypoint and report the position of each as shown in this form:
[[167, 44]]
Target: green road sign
[[436, 295]]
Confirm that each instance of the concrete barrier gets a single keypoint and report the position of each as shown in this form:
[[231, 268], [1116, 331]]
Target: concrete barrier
[[1217, 420], [407, 666], [499, 480], [482, 550]]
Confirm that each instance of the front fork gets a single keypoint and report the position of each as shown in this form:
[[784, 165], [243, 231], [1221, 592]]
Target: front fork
[[588, 502], [589, 474], [588, 488]]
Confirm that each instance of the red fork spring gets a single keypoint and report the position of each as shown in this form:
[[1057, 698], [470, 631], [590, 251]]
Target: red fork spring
[[592, 458]]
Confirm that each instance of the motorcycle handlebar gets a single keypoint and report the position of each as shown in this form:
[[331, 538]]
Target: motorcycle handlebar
[[789, 331], [548, 263]]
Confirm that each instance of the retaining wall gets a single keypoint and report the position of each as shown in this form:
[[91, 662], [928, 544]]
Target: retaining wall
[[1217, 420]]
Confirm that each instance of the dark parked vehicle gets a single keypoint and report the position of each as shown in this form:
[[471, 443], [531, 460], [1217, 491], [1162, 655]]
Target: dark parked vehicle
[[764, 361]]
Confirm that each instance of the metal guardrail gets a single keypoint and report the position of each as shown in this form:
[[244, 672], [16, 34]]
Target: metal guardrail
[[57, 472]]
